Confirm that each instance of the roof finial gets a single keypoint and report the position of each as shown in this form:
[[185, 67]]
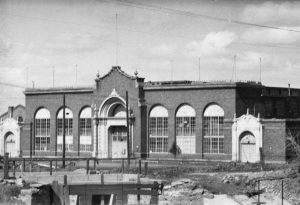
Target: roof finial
[[136, 73], [98, 75]]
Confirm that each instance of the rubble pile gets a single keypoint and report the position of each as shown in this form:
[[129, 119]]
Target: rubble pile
[[184, 191]]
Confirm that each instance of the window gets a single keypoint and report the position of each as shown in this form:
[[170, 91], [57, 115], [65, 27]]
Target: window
[[213, 120], [185, 129], [158, 129], [68, 130], [20, 119], [42, 130], [85, 130]]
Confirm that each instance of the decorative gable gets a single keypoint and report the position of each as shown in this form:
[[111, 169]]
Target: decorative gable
[[120, 71]]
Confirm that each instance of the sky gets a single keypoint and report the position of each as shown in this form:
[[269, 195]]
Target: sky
[[161, 39]]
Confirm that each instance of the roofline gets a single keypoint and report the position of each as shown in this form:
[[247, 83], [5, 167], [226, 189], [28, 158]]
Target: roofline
[[175, 85], [58, 90]]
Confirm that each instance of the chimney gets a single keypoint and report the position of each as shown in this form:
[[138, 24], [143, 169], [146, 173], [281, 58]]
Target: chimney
[[289, 90], [10, 111]]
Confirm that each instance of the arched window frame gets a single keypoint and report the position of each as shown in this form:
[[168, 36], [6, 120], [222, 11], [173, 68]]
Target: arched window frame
[[68, 129], [185, 129], [158, 129], [42, 130], [85, 129], [213, 121]]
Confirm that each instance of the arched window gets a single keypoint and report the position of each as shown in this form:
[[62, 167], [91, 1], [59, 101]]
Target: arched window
[[42, 130], [213, 120], [158, 129], [185, 129], [68, 129], [85, 130]]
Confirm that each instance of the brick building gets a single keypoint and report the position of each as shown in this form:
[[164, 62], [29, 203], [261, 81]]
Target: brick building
[[206, 120]]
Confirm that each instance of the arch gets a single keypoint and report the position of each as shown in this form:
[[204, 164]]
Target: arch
[[247, 137], [117, 110], [42, 113], [7, 134], [68, 111], [108, 104], [185, 110], [213, 110], [158, 111], [85, 112]]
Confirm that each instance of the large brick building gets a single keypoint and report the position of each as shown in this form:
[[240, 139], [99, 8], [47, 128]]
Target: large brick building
[[207, 120]]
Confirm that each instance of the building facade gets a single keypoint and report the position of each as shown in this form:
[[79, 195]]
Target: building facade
[[240, 121], [11, 127]]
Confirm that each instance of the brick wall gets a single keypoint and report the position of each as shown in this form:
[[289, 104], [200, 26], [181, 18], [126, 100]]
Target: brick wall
[[199, 99], [274, 140]]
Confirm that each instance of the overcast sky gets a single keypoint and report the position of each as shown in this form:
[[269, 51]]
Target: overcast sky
[[153, 37]]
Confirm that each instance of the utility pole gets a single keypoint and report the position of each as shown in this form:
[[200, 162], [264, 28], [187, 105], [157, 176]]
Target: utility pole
[[64, 132], [128, 137], [30, 140]]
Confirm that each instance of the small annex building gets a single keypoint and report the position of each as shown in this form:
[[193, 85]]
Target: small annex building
[[10, 130], [239, 121]]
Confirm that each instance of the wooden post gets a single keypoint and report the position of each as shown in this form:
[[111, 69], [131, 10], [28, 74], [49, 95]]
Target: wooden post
[[122, 165], [138, 182], [65, 179], [102, 178], [281, 192], [24, 165], [146, 168], [154, 196], [6, 166], [14, 168], [87, 166], [51, 167], [140, 166], [94, 164]]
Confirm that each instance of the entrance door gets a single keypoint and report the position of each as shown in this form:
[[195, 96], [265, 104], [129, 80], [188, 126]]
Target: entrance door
[[10, 145], [247, 148], [118, 142]]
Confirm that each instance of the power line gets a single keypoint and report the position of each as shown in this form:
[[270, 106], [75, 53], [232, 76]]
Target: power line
[[12, 85], [191, 14], [144, 32]]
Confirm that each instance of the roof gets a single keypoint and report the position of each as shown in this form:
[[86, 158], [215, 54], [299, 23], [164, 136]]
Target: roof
[[15, 107], [185, 84], [56, 90]]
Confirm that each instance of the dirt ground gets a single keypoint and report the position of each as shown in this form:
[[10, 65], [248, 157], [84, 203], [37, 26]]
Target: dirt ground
[[212, 182]]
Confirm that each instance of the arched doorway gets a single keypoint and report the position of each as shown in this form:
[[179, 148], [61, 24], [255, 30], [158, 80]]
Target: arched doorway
[[247, 147], [112, 141], [10, 145]]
